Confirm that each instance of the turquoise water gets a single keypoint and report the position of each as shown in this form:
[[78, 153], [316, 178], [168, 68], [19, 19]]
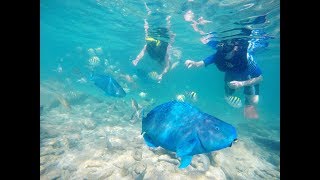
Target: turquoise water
[[88, 135]]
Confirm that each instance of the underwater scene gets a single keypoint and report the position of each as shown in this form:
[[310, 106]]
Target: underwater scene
[[161, 89]]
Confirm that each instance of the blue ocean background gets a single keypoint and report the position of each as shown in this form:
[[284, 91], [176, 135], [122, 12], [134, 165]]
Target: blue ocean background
[[86, 134]]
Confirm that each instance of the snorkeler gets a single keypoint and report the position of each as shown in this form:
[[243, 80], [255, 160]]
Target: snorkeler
[[234, 57], [158, 44]]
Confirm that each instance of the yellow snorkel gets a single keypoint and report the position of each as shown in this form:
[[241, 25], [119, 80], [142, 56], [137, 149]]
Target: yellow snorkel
[[153, 40]]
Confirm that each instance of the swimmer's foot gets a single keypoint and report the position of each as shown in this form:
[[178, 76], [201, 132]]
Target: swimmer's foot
[[250, 112]]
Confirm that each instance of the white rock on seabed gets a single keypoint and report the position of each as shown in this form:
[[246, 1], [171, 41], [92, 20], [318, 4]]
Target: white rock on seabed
[[53, 174], [239, 162], [137, 154], [73, 141], [215, 173], [168, 159]]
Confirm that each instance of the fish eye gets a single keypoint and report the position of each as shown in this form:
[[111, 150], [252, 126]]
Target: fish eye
[[216, 128]]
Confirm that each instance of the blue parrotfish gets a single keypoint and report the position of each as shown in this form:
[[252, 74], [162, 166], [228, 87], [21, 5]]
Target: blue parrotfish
[[108, 84], [182, 128]]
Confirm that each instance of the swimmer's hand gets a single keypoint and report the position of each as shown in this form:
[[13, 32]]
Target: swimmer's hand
[[236, 84], [189, 63]]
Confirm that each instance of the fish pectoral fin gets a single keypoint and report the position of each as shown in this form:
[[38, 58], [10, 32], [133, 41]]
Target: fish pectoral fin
[[185, 161], [148, 141], [186, 147]]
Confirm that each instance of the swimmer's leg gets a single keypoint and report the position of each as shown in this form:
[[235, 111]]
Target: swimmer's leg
[[251, 101]]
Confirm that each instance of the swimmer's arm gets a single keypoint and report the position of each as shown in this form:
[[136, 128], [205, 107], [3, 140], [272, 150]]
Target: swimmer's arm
[[141, 54], [169, 48], [146, 27], [207, 61], [166, 68], [168, 57], [253, 81], [171, 34], [189, 17], [167, 61], [190, 63], [196, 28], [147, 8], [250, 82]]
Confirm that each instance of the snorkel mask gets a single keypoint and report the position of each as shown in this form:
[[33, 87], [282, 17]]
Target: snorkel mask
[[150, 39]]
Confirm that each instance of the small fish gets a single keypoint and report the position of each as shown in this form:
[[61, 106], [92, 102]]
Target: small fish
[[58, 69], [82, 80], [234, 101], [64, 102], [134, 104], [138, 110], [109, 85], [142, 94], [91, 52], [94, 61], [180, 97], [99, 51], [193, 96]]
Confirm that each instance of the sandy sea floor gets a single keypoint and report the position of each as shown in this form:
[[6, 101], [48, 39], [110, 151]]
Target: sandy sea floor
[[84, 137]]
